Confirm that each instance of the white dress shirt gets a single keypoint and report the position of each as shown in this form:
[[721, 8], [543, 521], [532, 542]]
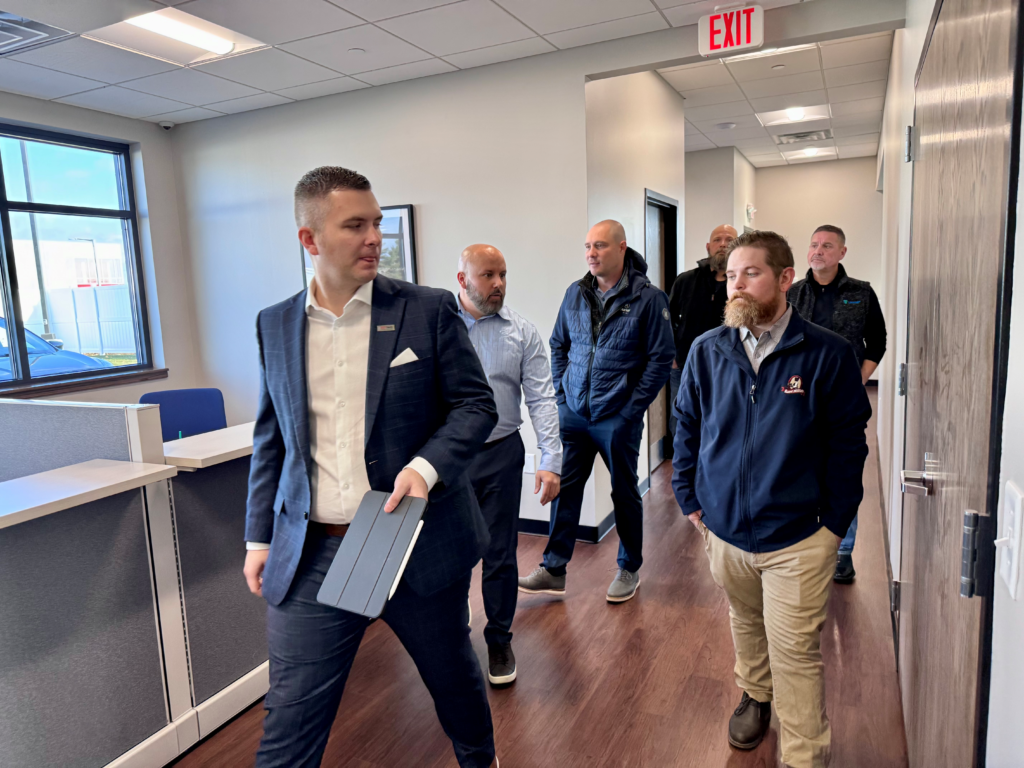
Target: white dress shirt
[[759, 347], [337, 356]]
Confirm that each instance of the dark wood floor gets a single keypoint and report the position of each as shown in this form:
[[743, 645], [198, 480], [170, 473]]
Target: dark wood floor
[[645, 683]]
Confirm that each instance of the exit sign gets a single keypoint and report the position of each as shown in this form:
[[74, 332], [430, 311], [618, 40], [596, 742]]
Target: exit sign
[[729, 30]]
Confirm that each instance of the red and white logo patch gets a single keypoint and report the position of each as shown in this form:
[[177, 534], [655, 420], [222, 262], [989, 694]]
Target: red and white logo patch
[[795, 386]]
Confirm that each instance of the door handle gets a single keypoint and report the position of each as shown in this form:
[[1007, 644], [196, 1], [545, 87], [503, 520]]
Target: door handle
[[915, 483]]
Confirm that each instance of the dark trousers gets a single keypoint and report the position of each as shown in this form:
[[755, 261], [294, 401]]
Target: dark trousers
[[312, 647], [618, 443], [497, 477]]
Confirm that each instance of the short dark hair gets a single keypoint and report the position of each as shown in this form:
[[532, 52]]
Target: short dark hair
[[778, 254], [833, 229], [315, 185]]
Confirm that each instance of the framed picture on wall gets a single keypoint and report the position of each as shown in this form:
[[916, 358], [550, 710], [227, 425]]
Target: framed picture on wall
[[397, 251]]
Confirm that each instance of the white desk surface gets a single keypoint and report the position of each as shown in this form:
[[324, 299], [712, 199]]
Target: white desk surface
[[27, 498], [209, 448]]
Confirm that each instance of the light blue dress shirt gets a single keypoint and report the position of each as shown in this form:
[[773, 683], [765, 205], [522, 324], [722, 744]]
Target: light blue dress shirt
[[516, 362]]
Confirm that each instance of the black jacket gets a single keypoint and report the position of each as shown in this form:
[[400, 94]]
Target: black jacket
[[857, 316], [692, 307]]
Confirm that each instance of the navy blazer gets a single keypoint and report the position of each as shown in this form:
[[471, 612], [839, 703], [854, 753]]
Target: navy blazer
[[439, 407]]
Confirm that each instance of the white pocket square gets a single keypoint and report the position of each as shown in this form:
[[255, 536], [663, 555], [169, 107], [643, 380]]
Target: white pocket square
[[408, 356]]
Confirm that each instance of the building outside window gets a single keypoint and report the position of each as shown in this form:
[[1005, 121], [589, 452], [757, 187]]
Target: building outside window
[[72, 304]]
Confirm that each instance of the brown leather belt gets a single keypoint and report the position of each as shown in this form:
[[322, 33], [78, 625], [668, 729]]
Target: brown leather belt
[[329, 529]]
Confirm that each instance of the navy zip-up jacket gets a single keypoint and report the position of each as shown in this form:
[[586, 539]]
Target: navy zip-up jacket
[[771, 457], [613, 359]]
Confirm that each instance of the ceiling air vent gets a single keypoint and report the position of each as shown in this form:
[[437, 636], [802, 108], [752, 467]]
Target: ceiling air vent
[[796, 138], [19, 34]]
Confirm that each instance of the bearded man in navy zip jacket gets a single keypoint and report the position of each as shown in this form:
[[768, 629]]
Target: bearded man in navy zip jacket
[[611, 354], [769, 456]]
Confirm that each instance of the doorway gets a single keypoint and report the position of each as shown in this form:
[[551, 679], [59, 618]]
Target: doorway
[[661, 252], [961, 199]]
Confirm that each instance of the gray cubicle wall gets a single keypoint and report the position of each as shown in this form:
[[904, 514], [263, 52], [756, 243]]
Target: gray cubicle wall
[[80, 666], [40, 436], [227, 632]]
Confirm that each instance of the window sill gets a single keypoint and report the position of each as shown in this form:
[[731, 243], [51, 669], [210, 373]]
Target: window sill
[[81, 385]]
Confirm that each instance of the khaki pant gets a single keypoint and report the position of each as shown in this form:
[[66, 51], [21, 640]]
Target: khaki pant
[[777, 604]]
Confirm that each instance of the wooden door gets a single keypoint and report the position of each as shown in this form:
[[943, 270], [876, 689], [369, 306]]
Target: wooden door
[[657, 421], [962, 152]]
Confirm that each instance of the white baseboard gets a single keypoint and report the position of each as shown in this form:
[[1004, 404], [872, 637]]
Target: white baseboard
[[156, 751], [218, 709]]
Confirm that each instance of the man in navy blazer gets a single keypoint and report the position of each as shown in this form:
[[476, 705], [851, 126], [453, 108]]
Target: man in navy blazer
[[366, 383]]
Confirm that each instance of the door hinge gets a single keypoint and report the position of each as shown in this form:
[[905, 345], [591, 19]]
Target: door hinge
[[894, 597], [902, 380], [969, 554], [908, 145]]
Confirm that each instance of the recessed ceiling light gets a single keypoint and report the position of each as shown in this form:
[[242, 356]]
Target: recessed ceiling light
[[725, 126], [795, 114], [357, 50], [779, 66], [811, 151], [183, 33]]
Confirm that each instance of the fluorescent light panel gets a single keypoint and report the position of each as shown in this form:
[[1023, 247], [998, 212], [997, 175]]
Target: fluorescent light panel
[[183, 33], [794, 115], [807, 152]]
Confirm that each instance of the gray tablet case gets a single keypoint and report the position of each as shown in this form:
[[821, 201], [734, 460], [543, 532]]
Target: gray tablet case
[[373, 555]]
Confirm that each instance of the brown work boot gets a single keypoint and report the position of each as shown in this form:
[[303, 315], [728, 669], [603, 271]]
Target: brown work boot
[[749, 723]]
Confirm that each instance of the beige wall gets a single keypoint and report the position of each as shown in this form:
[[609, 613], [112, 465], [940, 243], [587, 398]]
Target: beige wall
[[720, 183]]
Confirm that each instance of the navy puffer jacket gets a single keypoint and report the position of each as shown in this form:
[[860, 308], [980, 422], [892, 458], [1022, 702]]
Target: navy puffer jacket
[[613, 359]]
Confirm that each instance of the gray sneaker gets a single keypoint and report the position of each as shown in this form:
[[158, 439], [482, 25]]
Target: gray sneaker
[[623, 586], [542, 582]]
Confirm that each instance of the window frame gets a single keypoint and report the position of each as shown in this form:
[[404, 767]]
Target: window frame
[[10, 296]]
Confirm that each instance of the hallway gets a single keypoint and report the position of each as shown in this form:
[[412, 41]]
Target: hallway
[[647, 683]]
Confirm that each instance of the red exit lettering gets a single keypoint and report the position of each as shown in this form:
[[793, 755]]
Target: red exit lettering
[[734, 27]]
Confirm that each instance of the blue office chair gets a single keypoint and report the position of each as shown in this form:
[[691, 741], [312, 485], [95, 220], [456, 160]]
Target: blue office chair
[[186, 412]]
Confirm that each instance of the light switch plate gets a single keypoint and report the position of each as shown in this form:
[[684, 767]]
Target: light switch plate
[[1011, 525], [531, 464]]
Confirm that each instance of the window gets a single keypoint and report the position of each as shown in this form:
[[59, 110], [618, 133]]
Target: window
[[71, 296]]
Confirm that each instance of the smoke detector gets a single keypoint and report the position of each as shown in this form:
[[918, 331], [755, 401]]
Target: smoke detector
[[18, 34]]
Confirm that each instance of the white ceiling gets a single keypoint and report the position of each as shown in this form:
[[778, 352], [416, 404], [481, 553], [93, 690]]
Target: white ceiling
[[848, 77], [309, 51]]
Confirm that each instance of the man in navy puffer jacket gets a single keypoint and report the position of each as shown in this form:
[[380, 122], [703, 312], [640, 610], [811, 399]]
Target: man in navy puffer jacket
[[769, 456], [611, 354]]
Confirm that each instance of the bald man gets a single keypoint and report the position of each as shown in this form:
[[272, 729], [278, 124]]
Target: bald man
[[611, 352], [697, 303], [515, 360]]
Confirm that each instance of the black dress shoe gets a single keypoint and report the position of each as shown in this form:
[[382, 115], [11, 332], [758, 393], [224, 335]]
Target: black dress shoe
[[749, 723], [844, 570], [501, 664]]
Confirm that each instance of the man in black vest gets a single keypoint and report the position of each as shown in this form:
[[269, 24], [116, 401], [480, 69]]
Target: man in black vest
[[697, 303], [829, 298]]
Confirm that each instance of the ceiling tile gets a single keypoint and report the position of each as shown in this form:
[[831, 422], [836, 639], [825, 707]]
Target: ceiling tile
[[741, 121], [824, 144], [792, 63], [730, 137], [860, 150], [864, 138], [458, 27], [96, 61], [496, 53], [334, 50], [692, 78], [759, 153], [259, 101], [190, 87], [857, 107], [712, 111], [858, 73], [786, 101], [690, 129], [269, 70], [690, 13], [545, 16], [720, 94], [817, 159], [609, 30], [758, 145], [274, 21], [692, 65], [27, 80], [800, 127], [777, 86], [859, 91], [121, 101], [375, 10], [185, 115], [767, 163], [843, 40], [845, 54], [78, 16], [407, 72], [697, 143], [323, 88], [857, 129]]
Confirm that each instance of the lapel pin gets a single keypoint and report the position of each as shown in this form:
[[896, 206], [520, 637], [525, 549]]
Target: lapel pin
[[385, 327]]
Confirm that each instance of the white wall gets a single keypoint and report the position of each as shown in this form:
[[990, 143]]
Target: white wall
[[710, 199], [744, 184], [166, 270], [794, 200], [635, 130]]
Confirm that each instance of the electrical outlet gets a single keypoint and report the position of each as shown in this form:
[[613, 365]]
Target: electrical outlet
[[1009, 555], [531, 464]]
